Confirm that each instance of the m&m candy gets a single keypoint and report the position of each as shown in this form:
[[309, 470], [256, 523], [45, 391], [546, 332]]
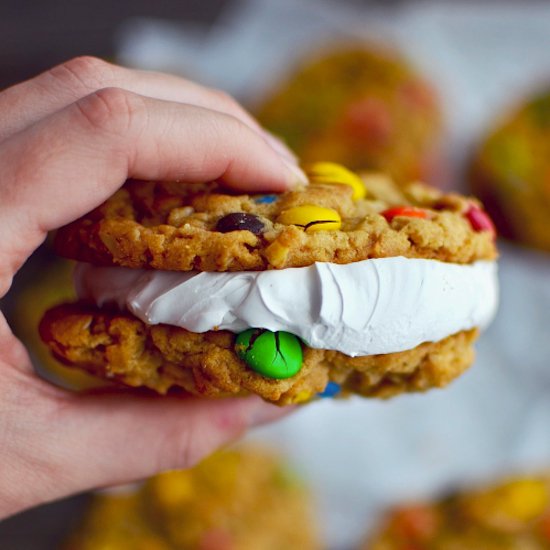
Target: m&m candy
[[331, 390], [272, 354], [265, 199], [480, 220], [406, 211], [311, 218], [332, 173], [239, 221]]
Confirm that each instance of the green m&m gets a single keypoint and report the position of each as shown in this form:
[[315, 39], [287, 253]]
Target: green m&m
[[271, 354]]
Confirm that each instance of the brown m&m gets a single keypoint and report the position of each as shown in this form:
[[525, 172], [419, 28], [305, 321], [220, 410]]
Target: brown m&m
[[240, 221]]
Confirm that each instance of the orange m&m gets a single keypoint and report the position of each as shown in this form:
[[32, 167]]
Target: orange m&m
[[406, 211]]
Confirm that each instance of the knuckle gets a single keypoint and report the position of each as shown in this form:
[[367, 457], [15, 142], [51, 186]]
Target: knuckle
[[109, 109], [84, 72], [224, 100]]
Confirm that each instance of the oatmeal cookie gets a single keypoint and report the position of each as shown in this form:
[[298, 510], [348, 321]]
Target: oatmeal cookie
[[200, 227], [122, 348]]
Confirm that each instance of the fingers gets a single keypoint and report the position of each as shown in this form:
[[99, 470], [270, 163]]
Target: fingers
[[82, 442], [70, 162], [12, 350], [25, 104], [171, 432]]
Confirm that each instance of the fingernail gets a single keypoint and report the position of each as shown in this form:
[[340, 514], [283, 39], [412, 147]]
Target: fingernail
[[297, 176], [280, 147]]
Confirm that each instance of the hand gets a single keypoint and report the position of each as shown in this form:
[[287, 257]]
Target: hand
[[68, 139]]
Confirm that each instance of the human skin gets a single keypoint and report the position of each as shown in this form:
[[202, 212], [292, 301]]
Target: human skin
[[69, 138]]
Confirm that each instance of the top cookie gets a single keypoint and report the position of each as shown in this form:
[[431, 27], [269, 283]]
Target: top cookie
[[183, 227]]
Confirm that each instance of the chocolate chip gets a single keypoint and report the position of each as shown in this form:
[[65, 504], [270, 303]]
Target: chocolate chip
[[238, 221]]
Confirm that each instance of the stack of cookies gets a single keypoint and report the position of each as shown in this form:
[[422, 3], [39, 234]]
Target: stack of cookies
[[350, 285]]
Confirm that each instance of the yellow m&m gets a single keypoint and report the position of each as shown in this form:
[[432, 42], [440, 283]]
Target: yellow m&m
[[521, 499], [336, 174], [311, 218]]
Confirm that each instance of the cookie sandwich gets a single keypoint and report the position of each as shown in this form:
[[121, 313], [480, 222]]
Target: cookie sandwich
[[347, 286]]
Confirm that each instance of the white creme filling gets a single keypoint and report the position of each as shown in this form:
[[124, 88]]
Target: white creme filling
[[363, 308]]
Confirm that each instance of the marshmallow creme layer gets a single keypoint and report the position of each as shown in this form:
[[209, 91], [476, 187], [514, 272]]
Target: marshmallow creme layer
[[373, 306]]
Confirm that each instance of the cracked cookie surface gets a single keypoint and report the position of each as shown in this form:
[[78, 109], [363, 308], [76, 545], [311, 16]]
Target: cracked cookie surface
[[184, 227]]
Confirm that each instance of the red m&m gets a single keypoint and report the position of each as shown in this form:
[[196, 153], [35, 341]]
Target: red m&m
[[480, 220]]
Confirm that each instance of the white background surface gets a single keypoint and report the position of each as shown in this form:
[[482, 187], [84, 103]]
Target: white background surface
[[362, 455]]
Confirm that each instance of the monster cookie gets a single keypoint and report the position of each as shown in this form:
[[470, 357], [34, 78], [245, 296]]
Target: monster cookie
[[244, 499], [511, 515], [200, 228], [349, 285], [511, 173], [363, 107]]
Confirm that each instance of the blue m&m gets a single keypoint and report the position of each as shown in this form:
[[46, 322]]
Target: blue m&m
[[266, 199], [331, 389]]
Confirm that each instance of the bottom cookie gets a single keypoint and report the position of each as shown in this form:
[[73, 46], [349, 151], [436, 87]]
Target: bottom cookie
[[121, 348]]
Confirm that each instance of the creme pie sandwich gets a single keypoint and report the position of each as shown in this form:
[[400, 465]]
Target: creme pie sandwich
[[350, 285]]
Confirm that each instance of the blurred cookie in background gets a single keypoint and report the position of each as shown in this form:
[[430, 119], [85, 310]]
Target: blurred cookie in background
[[513, 514], [510, 172], [114, 521], [49, 281], [244, 499], [361, 106]]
